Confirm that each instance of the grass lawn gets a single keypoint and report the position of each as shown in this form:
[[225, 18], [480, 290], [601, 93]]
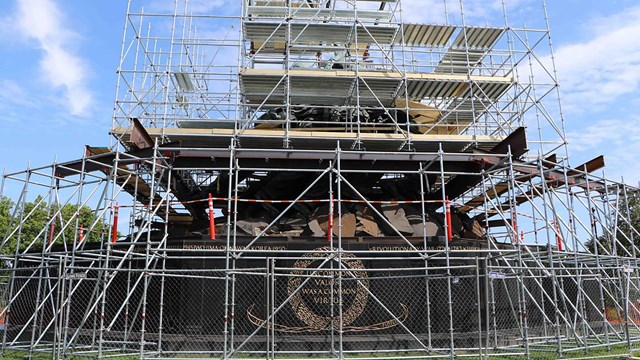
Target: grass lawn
[[616, 352]]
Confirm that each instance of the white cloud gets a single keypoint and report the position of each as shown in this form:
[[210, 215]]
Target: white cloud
[[61, 67], [616, 140], [476, 12], [423, 11], [607, 133], [599, 79], [194, 6], [601, 70], [12, 93], [601, 75], [204, 6]]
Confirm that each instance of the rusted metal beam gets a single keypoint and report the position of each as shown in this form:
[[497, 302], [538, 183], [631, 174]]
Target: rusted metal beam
[[555, 178], [516, 143], [588, 167], [140, 138]]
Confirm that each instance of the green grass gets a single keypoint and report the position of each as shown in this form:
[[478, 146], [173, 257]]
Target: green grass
[[616, 352], [24, 355], [19, 355]]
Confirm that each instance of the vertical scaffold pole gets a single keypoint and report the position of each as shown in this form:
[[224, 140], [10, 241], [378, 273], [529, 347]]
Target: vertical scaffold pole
[[423, 179], [340, 266], [287, 91], [447, 255], [74, 248], [490, 311], [551, 267], [623, 275], [228, 338], [330, 218], [596, 252], [40, 274], [106, 274], [522, 296], [487, 313], [235, 165], [212, 223], [447, 210], [479, 307], [155, 172], [332, 265], [162, 249]]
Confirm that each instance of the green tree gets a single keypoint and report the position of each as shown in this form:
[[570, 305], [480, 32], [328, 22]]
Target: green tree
[[41, 220], [628, 223], [627, 229], [6, 205]]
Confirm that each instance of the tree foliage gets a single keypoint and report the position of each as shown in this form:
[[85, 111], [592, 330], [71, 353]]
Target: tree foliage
[[628, 224], [36, 221], [625, 229]]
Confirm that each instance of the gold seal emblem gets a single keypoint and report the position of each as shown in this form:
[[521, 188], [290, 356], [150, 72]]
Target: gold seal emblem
[[316, 292]]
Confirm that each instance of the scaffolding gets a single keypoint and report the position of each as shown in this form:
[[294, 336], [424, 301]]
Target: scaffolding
[[320, 178]]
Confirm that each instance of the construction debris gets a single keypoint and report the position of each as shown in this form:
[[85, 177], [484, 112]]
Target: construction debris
[[360, 221], [396, 216], [367, 225]]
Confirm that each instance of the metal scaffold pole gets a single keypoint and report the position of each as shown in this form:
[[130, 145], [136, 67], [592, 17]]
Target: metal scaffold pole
[[324, 179]]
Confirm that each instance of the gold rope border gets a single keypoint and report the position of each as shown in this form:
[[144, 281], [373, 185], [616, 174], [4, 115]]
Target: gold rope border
[[305, 314], [308, 329]]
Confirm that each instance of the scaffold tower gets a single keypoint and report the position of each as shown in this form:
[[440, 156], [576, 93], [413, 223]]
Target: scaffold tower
[[323, 179]]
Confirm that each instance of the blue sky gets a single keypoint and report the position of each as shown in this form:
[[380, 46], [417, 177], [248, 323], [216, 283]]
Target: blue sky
[[57, 73]]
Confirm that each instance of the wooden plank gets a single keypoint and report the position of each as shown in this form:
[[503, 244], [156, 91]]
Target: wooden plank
[[375, 75], [156, 132]]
